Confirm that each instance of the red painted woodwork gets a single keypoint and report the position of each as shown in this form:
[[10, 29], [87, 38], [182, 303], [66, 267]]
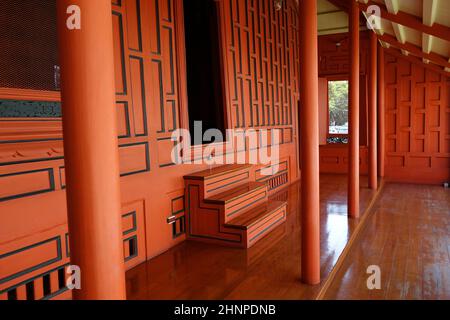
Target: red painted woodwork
[[334, 65], [334, 54], [417, 123], [151, 102], [90, 129], [353, 112], [224, 206], [29, 94], [334, 159], [268, 270], [363, 110], [372, 113], [415, 50], [426, 90], [309, 126], [324, 114], [429, 66], [380, 113], [409, 21], [261, 62], [261, 65], [406, 234]]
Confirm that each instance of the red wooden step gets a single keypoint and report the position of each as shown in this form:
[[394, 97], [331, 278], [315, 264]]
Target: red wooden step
[[239, 199], [220, 179], [227, 207], [259, 221], [217, 171]]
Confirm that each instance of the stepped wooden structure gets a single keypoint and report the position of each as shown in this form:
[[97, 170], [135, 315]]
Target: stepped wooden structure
[[92, 91], [225, 207]]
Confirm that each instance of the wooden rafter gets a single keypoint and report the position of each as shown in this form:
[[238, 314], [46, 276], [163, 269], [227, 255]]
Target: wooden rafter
[[410, 21], [435, 58], [428, 18], [341, 4], [344, 5], [399, 30], [415, 60]]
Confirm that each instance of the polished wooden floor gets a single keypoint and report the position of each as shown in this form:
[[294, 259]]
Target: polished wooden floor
[[408, 236], [269, 270]]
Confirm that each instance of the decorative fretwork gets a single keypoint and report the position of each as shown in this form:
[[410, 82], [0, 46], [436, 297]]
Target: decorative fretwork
[[337, 140], [29, 109], [263, 62]]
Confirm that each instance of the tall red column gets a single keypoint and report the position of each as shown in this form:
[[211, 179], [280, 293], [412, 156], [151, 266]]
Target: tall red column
[[91, 147], [353, 172], [381, 115], [373, 147], [309, 125]]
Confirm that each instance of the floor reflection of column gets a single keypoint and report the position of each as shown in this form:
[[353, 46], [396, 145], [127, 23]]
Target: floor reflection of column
[[268, 270], [407, 237]]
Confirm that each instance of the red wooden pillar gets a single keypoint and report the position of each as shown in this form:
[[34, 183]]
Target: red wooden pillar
[[373, 156], [309, 125], [353, 176], [91, 147], [381, 115]]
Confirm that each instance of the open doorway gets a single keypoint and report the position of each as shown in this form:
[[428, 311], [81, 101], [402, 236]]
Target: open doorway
[[203, 67], [337, 129]]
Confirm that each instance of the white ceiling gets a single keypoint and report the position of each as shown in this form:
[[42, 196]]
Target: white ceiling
[[330, 19], [334, 19], [430, 12]]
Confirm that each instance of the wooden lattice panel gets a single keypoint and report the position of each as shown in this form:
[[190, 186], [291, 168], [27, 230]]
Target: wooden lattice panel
[[262, 62], [417, 123], [334, 55]]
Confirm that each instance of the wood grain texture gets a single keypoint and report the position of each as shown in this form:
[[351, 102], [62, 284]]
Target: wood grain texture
[[407, 236], [268, 270], [224, 207]]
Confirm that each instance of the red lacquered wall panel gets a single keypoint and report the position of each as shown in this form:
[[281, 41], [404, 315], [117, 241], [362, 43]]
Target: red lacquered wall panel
[[417, 123]]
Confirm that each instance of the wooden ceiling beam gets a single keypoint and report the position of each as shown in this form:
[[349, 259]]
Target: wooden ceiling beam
[[409, 20], [429, 9], [341, 4], [435, 58], [429, 12], [392, 6], [344, 5], [417, 61]]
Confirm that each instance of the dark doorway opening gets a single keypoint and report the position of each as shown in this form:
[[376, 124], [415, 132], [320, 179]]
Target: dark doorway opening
[[204, 83]]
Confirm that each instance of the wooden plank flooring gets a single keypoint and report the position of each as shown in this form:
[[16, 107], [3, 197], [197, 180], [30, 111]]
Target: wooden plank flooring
[[269, 270], [408, 236]]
